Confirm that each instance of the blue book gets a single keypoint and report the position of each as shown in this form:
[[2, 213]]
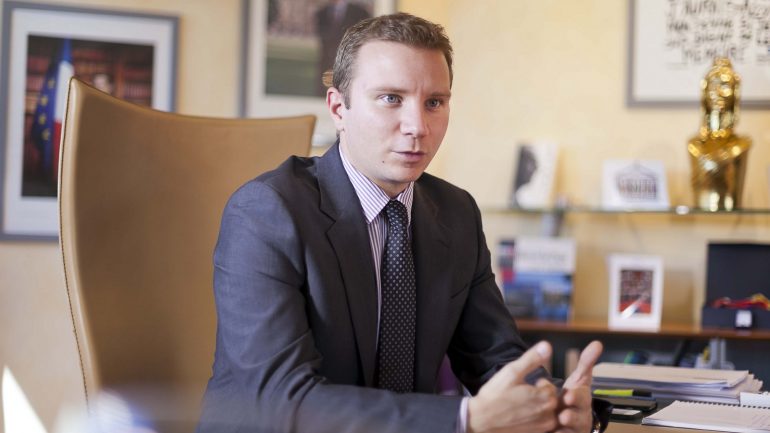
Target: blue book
[[536, 276]]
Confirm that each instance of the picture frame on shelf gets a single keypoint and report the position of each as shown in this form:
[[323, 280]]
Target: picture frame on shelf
[[636, 291], [634, 185], [534, 175], [670, 50], [287, 45], [130, 55]]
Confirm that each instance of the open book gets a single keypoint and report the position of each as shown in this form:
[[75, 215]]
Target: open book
[[709, 416]]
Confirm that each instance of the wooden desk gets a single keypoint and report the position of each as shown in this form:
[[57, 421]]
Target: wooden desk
[[616, 427]]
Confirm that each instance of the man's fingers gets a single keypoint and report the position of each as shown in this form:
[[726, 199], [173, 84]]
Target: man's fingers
[[582, 374], [536, 356], [577, 396]]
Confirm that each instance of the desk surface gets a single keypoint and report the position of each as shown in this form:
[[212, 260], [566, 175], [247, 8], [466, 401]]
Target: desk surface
[[616, 427]]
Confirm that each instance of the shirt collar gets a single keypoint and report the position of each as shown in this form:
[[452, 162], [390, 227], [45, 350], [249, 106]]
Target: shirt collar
[[373, 199]]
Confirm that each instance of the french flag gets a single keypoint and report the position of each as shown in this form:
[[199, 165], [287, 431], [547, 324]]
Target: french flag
[[46, 129]]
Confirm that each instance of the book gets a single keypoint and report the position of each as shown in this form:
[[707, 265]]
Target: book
[[534, 177], [656, 374], [755, 399], [536, 276], [716, 386], [709, 416]]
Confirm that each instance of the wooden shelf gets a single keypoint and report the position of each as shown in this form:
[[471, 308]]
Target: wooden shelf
[[676, 210], [671, 330]]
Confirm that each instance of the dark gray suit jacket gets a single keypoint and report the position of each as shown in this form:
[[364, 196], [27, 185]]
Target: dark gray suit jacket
[[296, 300]]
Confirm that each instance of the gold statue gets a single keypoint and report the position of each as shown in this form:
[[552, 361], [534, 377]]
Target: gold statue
[[717, 155]]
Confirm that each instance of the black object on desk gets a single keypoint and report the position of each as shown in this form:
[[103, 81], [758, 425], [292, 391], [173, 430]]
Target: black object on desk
[[601, 411], [643, 404]]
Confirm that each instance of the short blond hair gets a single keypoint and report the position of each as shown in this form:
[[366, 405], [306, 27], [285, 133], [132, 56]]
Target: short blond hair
[[401, 27]]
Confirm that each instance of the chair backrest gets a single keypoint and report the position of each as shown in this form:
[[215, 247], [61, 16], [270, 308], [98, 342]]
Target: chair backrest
[[141, 194]]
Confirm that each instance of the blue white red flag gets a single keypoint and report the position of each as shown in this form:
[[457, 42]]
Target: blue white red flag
[[49, 111]]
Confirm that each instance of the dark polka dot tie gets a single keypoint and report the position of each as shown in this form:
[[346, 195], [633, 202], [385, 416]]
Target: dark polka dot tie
[[398, 312]]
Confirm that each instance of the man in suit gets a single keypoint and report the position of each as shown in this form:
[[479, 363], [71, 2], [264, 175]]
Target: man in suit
[[342, 281], [331, 21]]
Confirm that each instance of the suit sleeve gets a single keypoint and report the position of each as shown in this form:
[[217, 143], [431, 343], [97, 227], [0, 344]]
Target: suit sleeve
[[266, 367], [486, 337]]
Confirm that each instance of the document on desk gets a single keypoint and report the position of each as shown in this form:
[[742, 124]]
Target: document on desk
[[677, 383], [654, 374], [708, 416]]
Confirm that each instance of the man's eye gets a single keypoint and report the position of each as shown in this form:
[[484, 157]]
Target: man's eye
[[391, 99], [434, 103]]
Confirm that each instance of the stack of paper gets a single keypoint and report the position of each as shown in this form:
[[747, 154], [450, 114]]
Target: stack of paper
[[704, 416], [718, 386]]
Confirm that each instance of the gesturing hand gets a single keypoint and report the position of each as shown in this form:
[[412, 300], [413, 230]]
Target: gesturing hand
[[574, 412], [506, 403]]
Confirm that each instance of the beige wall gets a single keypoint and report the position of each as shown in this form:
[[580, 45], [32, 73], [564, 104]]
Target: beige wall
[[551, 69]]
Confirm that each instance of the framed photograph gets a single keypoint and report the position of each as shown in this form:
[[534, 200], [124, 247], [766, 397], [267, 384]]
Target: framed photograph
[[634, 185], [636, 291], [129, 55], [673, 43], [287, 46], [533, 178]]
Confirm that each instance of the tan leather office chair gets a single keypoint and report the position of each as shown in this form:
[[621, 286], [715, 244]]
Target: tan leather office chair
[[141, 195]]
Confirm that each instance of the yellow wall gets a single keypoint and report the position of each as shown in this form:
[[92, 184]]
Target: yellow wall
[[524, 70]]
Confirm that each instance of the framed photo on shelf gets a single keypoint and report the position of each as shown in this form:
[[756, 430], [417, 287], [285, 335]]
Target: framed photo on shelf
[[287, 45], [636, 291], [534, 175], [634, 185], [673, 43], [129, 55]]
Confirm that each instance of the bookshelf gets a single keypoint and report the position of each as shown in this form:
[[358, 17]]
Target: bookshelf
[[673, 211], [128, 68], [596, 327], [679, 234]]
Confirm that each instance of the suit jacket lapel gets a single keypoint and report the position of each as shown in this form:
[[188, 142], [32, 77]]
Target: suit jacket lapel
[[431, 247], [350, 239]]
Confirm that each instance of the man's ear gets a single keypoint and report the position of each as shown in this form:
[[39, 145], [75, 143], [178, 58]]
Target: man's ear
[[335, 103]]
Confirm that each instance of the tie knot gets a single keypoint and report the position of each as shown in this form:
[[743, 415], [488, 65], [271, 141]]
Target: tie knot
[[396, 212]]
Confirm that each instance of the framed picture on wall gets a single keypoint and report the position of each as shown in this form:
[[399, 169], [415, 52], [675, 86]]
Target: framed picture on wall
[[287, 45], [129, 55], [636, 291], [673, 43]]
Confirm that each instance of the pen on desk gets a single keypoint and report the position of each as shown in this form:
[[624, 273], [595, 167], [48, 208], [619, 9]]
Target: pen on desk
[[622, 393]]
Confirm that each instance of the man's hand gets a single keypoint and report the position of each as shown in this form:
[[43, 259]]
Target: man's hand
[[506, 403], [574, 412]]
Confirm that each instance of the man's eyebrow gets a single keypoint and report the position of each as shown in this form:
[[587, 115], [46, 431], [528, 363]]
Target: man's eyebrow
[[400, 91], [387, 90], [442, 94]]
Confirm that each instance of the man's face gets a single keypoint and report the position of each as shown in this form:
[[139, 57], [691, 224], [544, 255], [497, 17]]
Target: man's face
[[398, 114]]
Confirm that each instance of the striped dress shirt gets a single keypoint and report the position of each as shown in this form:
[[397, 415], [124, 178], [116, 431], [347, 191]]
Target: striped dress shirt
[[373, 200]]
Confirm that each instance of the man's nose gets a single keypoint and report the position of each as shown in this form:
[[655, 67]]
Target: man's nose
[[414, 121]]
